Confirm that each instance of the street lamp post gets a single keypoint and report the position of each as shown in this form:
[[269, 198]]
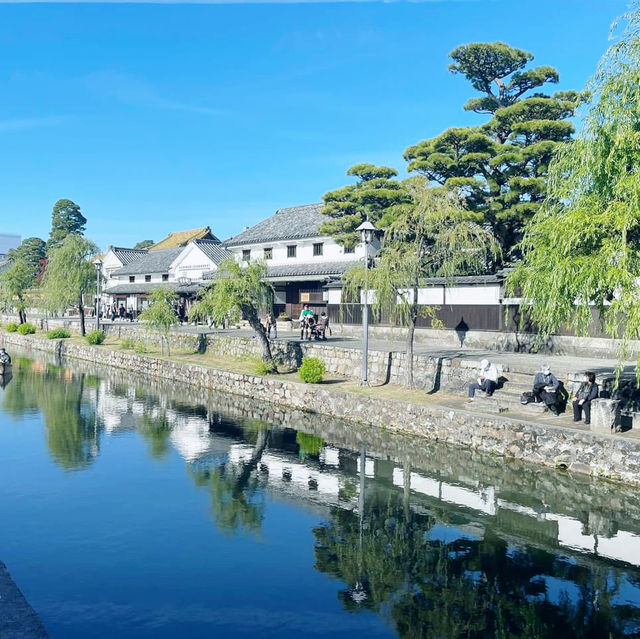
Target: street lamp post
[[98, 265], [367, 230]]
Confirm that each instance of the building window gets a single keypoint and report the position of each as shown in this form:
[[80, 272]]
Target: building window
[[349, 249], [317, 249], [132, 278], [147, 278], [291, 250], [268, 254], [246, 255], [165, 277]]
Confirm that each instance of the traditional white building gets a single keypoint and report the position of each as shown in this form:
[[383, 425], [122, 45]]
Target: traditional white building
[[299, 259], [131, 275]]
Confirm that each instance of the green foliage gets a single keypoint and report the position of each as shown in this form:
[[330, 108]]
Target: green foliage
[[66, 219], [432, 236], [127, 343], [582, 249], [95, 338], [70, 276], [265, 368], [26, 329], [15, 281], [32, 250], [500, 168], [238, 290], [370, 198], [309, 445], [58, 333], [140, 348], [161, 315], [144, 244], [12, 327], [312, 370]]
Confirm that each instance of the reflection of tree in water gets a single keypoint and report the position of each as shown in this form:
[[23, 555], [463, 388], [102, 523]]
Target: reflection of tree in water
[[157, 431], [432, 585], [72, 426], [237, 502]]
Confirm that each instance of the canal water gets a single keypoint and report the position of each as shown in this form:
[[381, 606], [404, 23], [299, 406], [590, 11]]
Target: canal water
[[134, 508]]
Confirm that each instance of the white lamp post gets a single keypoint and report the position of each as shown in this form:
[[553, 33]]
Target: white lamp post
[[367, 230], [98, 265]]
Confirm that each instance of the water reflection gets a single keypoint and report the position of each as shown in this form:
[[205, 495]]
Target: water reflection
[[437, 541]]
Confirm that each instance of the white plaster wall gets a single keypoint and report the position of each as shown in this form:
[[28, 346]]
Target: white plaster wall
[[191, 263], [436, 295], [332, 252]]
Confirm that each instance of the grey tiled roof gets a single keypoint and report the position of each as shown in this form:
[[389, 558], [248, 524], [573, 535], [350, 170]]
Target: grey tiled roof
[[128, 255], [151, 262], [296, 222], [213, 250], [301, 270], [147, 287]]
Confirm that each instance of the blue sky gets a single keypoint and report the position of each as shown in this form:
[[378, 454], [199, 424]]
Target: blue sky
[[161, 117]]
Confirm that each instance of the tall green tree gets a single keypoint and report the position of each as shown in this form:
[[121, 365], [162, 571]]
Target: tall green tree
[[70, 276], [238, 289], [66, 219], [144, 244], [161, 313], [500, 167], [433, 235], [33, 250], [581, 251], [370, 198]]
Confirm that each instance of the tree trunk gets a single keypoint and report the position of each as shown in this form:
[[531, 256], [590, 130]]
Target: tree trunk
[[413, 318], [166, 339], [261, 333], [81, 310]]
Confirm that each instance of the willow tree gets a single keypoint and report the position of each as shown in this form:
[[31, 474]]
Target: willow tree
[[15, 282], [70, 277], [434, 235], [161, 314], [238, 289], [581, 251]]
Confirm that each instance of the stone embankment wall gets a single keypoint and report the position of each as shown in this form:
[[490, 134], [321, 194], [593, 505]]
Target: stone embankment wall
[[611, 456]]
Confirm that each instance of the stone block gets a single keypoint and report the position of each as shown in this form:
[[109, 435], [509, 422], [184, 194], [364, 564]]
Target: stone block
[[604, 414]]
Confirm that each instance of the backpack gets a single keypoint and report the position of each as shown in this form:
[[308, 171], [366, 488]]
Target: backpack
[[527, 397]]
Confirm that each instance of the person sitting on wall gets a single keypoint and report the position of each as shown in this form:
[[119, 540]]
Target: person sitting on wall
[[587, 392], [305, 317], [545, 388], [487, 380]]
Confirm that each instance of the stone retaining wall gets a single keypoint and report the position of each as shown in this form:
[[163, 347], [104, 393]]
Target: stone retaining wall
[[611, 456]]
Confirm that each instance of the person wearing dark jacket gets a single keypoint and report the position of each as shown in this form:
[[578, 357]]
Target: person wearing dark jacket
[[587, 392], [545, 387]]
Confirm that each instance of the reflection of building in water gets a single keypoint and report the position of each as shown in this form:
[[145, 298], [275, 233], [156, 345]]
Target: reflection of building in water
[[329, 477]]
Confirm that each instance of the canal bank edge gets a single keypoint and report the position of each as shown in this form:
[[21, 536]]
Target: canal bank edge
[[600, 455]]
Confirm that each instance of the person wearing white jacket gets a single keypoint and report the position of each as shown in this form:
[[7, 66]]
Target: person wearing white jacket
[[487, 380]]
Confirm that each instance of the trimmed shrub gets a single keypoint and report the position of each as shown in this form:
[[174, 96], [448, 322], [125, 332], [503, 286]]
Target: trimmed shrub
[[26, 329], [312, 370], [12, 327], [127, 343], [95, 337], [265, 368], [58, 333]]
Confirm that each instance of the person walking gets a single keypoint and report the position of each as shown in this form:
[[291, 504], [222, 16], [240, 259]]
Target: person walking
[[487, 380], [587, 392], [271, 325]]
